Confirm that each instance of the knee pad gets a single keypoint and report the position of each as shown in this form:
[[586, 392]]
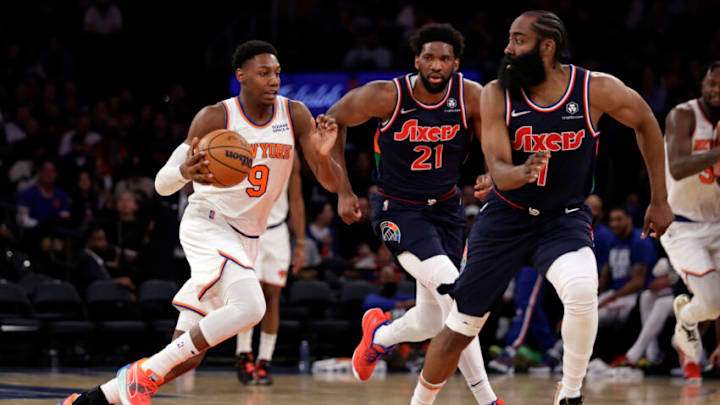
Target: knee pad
[[247, 297], [430, 272], [579, 295], [467, 325], [244, 308]]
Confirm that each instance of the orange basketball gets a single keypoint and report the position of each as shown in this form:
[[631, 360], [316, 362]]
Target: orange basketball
[[229, 157]]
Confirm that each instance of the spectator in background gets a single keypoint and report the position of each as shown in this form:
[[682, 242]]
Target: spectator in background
[[90, 265], [129, 232], [388, 298], [368, 53], [73, 163], [623, 276], [602, 235], [43, 201], [323, 232], [103, 17], [136, 181], [81, 133], [85, 201]]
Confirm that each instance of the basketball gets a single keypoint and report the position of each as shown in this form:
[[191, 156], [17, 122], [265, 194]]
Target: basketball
[[229, 157]]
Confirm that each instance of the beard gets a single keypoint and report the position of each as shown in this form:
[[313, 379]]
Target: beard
[[526, 70], [433, 88]]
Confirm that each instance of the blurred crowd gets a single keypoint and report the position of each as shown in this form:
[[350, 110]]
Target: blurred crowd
[[91, 108]]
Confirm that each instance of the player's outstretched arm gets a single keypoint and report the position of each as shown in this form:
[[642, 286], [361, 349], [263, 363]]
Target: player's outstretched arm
[[186, 161], [496, 144], [317, 143], [679, 126], [375, 99], [609, 95]]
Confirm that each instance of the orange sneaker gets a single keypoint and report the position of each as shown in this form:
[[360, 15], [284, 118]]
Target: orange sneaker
[[367, 353], [69, 400], [621, 361], [691, 370], [137, 386]]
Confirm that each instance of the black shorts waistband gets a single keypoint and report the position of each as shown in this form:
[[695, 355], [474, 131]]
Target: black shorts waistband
[[537, 212], [425, 201]]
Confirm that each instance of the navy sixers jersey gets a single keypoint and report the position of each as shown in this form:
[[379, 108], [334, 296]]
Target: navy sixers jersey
[[420, 149], [566, 130]]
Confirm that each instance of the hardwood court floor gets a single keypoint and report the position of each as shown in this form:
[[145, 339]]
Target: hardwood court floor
[[221, 387]]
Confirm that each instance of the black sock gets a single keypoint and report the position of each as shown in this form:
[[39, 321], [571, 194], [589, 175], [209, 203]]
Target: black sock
[[93, 397]]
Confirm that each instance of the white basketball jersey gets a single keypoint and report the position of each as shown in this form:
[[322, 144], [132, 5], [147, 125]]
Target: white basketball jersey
[[279, 211], [696, 197], [247, 205]]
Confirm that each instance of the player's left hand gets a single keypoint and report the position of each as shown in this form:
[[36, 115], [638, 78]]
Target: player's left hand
[[657, 219], [483, 185], [326, 134], [298, 258]]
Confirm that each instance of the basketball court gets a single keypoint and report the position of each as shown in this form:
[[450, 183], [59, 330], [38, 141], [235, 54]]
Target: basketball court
[[221, 387]]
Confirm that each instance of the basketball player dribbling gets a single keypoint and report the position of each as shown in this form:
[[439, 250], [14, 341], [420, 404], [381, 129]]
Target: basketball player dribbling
[[220, 228], [693, 241], [427, 122], [540, 139]]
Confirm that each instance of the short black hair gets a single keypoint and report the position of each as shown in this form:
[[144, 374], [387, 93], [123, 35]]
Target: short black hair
[[549, 25], [249, 49], [90, 231], [621, 208], [441, 33], [714, 65]]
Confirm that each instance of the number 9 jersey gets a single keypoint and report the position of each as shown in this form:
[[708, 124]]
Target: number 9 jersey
[[247, 205], [420, 149]]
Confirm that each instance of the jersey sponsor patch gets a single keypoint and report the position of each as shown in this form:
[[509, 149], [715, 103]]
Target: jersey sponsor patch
[[390, 231]]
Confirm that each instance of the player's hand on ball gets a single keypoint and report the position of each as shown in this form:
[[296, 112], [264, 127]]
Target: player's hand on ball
[[326, 134], [657, 219], [349, 207], [195, 164], [483, 185], [535, 164]]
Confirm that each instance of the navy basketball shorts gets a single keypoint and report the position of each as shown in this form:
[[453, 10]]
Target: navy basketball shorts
[[421, 228], [504, 239]]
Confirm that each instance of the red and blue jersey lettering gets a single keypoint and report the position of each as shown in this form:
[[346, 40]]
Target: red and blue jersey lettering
[[420, 149], [566, 130]]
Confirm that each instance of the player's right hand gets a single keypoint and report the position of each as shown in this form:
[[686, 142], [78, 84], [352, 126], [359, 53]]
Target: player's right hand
[[483, 185], [349, 207], [535, 164], [195, 166]]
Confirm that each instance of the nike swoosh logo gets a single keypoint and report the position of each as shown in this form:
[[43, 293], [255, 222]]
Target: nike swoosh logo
[[404, 111], [514, 113], [473, 385], [569, 210]]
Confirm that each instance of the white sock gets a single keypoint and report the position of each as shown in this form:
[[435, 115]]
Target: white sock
[[425, 392], [267, 346], [173, 354], [244, 342], [566, 393], [111, 390]]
